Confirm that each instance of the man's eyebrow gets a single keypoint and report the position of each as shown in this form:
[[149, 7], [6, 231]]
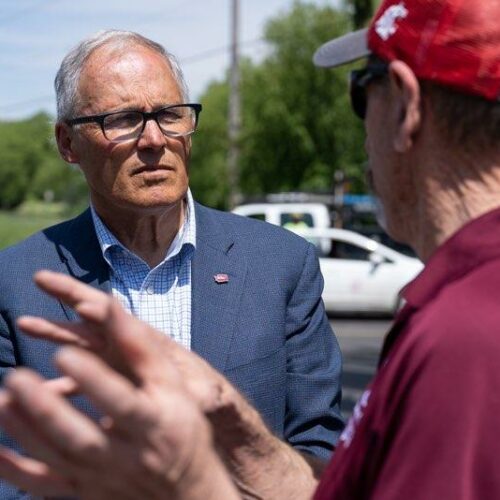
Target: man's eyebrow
[[118, 110], [138, 109]]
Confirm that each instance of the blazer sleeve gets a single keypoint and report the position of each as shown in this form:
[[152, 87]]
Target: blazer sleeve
[[7, 352], [7, 362], [313, 421]]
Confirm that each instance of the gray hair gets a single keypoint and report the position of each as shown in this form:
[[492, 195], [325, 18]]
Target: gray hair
[[68, 76]]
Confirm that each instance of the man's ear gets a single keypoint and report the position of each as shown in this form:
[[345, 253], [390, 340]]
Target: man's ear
[[64, 138], [406, 94]]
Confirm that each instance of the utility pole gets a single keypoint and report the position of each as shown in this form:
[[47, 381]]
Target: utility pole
[[234, 118]]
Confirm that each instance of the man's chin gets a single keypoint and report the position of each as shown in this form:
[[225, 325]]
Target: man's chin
[[149, 205], [158, 194]]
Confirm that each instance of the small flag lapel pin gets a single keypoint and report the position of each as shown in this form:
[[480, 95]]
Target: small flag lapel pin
[[221, 278]]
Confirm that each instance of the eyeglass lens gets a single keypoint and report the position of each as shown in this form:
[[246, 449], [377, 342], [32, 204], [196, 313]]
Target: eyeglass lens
[[173, 121]]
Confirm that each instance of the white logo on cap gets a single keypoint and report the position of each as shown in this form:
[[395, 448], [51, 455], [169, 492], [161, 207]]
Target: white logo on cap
[[385, 27]]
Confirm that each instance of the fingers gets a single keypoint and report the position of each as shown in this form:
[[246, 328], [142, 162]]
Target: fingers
[[132, 347], [112, 394], [22, 429], [64, 386], [137, 349], [33, 476], [91, 304], [64, 333], [164, 422], [107, 329], [106, 318], [45, 424], [67, 289]]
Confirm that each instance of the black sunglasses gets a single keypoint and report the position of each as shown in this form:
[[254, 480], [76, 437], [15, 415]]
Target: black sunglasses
[[359, 81]]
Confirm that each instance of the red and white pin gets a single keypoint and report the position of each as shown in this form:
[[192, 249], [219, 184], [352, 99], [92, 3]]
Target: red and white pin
[[221, 278]]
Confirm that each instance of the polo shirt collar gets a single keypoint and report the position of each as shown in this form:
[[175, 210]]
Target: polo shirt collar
[[454, 259]]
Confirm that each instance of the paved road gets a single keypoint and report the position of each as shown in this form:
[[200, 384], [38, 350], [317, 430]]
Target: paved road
[[360, 342]]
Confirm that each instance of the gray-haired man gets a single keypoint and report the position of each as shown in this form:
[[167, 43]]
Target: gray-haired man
[[244, 295]]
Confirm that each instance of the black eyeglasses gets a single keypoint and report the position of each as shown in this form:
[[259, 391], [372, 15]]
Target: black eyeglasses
[[359, 81], [175, 120]]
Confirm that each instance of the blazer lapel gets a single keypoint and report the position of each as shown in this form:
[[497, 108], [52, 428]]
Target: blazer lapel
[[81, 256], [215, 299]]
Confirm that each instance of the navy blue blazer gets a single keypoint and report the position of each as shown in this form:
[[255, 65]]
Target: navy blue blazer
[[265, 330]]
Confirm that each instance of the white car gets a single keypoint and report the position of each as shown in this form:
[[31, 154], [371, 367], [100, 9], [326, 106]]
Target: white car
[[361, 275]]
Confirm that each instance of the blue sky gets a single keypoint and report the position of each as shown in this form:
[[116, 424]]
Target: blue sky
[[36, 34]]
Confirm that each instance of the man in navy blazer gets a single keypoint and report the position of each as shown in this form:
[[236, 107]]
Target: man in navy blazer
[[244, 295]]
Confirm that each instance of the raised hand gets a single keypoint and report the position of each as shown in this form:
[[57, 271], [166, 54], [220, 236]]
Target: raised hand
[[119, 354], [150, 444], [110, 332]]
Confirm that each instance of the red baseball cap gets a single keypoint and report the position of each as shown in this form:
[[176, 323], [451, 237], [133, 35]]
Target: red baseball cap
[[451, 42]]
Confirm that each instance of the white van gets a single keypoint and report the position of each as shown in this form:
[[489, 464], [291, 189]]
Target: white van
[[311, 215]]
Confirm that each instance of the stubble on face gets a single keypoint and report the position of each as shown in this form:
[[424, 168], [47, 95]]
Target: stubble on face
[[378, 207], [383, 174]]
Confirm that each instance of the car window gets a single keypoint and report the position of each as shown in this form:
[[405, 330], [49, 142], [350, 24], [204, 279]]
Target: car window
[[258, 216], [297, 218], [344, 250]]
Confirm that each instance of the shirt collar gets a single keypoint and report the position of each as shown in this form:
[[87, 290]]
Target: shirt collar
[[475, 243], [185, 236]]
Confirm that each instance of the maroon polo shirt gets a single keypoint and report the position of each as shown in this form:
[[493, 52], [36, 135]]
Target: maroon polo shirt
[[428, 426]]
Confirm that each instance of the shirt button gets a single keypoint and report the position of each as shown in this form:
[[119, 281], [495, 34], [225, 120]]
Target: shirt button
[[150, 290]]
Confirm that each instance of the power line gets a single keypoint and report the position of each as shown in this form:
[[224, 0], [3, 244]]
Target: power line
[[216, 51], [206, 54]]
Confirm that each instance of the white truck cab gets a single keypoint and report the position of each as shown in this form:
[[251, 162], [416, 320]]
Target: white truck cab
[[310, 215], [313, 214]]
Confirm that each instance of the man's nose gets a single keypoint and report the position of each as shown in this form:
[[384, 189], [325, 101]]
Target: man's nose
[[152, 136]]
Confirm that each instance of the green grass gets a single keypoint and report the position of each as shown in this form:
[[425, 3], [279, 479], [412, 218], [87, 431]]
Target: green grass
[[15, 226]]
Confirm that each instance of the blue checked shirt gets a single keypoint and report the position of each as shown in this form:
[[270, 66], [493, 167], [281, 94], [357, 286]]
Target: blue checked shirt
[[160, 296]]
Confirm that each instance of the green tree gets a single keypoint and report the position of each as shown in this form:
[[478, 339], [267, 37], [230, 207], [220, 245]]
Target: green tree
[[297, 124], [299, 127], [30, 166], [21, 150], [207, 170]]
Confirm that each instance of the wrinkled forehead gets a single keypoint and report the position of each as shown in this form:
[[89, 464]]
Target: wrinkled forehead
[[125, 71]]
